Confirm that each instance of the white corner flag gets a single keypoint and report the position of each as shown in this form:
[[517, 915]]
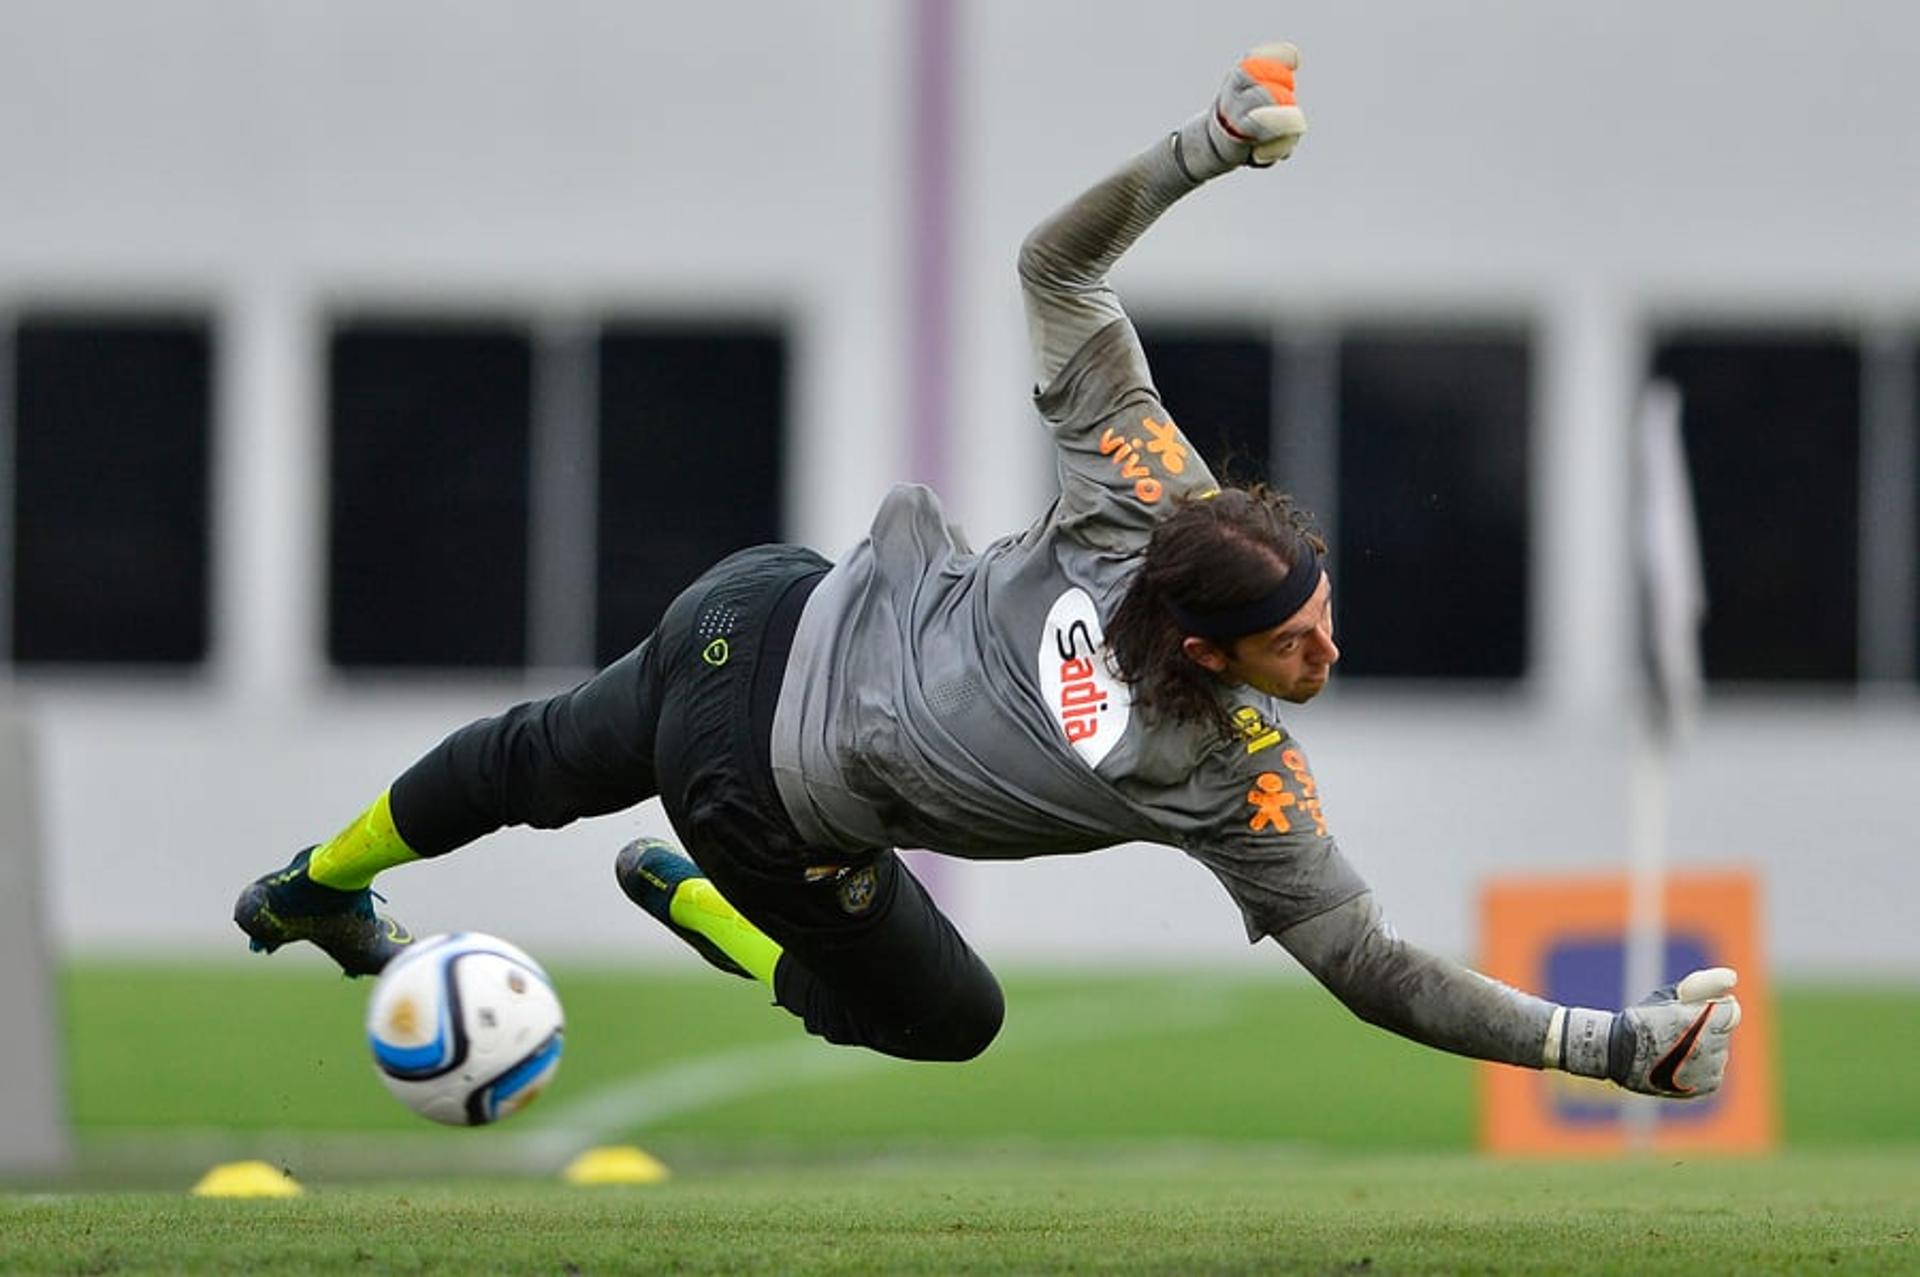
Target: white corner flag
[[1673, 583], [1673, 603]]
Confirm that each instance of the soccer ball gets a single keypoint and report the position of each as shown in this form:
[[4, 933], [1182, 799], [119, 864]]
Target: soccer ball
[[465, 1028]]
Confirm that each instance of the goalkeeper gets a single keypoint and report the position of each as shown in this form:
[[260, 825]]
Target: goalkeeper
[[1115, 673]]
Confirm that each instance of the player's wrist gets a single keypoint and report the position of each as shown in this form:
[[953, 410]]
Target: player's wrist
[[1580, 1041], [1203, 152]]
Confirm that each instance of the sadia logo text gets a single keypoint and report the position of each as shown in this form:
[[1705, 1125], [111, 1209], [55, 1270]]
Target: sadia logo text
[[1087, 699]]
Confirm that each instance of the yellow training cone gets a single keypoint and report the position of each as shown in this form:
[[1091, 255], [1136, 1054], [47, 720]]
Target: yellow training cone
[[624, 1164], [247, 1179]]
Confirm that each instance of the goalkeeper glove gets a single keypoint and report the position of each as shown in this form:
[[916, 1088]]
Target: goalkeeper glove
[[1254, 119], [1673, 1043]]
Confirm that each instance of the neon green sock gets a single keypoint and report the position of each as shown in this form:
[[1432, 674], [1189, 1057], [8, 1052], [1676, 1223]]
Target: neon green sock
[[349, 860], [698, 906]]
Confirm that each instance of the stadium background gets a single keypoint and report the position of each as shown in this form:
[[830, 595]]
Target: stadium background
[[338, 336]]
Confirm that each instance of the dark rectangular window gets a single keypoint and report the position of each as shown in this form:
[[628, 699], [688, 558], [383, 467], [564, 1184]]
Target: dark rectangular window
[[692, 448], [1430, 566], [1771, 423], [428, 504], [1218, 385], [112, 437]]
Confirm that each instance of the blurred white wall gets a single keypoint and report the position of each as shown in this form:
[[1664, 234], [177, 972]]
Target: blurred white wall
[[1587, 168]]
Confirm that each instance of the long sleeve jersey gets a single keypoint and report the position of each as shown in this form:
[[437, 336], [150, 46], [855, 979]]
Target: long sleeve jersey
[[965, 701]]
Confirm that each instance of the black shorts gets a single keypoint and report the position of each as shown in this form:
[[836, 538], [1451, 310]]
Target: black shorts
[[869, 958]]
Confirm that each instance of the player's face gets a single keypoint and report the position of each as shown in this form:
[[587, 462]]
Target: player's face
[[1292, 661]]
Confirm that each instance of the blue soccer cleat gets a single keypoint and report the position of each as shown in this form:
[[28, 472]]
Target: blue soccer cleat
[[650, 871], [287, 905]]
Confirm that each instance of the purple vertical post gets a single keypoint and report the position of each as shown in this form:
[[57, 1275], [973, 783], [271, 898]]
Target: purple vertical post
[[930, 270], [930, 235]]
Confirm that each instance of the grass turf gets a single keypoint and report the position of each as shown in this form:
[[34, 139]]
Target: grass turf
[[1148, 1123], [278, 1047], [1209, 1210]]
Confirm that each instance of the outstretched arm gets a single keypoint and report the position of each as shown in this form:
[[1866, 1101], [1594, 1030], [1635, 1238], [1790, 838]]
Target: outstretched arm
[[1064, 262], [1673, 1044]]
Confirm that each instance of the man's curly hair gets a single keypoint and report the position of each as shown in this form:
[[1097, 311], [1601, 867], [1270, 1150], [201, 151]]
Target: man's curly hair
[[1211, 554]]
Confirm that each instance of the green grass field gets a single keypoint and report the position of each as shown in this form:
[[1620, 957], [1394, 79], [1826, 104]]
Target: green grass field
[[1151, 1123]]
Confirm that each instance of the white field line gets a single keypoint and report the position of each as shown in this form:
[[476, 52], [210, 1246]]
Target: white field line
[[725, 1076], [684, 1086]]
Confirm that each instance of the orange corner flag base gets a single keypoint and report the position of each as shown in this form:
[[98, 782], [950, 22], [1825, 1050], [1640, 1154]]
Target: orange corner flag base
[[1566, 939]]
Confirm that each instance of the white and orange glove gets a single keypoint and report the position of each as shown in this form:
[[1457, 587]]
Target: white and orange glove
[[1254, 120], [1673, 1043]]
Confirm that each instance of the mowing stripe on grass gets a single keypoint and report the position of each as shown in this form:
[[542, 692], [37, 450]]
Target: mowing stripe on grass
[[722, 1077], [547, 1138]]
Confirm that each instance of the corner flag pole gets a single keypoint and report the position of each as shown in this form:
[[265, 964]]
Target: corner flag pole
[[1673, 603]]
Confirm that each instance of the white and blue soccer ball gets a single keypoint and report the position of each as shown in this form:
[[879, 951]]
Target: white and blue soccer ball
[[466, 1029]]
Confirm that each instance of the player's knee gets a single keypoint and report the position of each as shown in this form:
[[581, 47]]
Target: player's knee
[[969, 1027]]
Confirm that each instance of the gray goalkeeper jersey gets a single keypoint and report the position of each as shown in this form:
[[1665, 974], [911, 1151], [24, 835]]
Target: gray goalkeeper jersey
[[964, 702]]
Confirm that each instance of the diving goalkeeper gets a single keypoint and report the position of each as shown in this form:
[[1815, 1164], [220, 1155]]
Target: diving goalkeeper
[[1123, 670]]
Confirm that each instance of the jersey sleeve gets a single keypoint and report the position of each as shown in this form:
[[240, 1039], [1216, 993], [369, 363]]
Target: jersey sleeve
[[1122, 460], [1270, 846], [1386, 981]]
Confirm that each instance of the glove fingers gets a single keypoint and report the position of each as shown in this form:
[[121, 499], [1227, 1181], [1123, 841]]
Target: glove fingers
[[1275, 78], [1707, 984], [1273, 152], [1279, 129], [1705, 1066], [1704, 1073], [1274, 124], [1281, 51]]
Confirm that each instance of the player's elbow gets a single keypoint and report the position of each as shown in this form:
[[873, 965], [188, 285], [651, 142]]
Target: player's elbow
[[1041, 266], [1348, 974], [1031, 263], [1378, 1012], [1357, 958]]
